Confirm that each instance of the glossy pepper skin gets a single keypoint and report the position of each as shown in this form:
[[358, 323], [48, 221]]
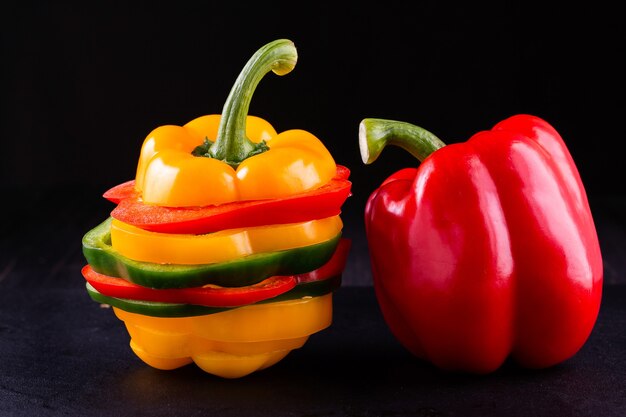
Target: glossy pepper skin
[[487, 250]]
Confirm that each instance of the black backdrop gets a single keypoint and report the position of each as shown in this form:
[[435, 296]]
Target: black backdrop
[[83, 83]]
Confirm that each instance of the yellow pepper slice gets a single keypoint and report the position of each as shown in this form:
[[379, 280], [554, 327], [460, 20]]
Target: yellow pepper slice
[[230, 344], [244, 158], [225, 245]]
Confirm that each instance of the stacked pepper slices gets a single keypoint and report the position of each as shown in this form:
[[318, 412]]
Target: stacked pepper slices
[[226, 248]]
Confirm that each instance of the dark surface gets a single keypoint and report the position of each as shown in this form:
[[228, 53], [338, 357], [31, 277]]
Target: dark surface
[[61, 354]]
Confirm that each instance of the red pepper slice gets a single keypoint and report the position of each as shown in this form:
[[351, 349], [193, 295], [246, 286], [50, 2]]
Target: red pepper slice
[[211, 295], [322, 202], [123, 191]]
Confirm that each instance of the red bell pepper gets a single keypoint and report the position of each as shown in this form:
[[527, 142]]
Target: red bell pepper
[[322, 202], [487, 250]]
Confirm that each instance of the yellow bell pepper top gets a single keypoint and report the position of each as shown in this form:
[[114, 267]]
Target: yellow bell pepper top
[[169, 175], [216, 159]]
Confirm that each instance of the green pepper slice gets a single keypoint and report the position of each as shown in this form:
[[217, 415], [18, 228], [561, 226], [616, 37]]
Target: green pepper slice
[[249, 270]]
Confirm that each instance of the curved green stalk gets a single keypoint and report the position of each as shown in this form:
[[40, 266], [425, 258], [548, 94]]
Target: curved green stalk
[[232, 145], [375, 134]]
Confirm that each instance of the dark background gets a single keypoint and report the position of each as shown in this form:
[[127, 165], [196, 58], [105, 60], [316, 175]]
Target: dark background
[[84, 83]]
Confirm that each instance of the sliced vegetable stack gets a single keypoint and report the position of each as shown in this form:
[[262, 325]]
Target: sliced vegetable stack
[[227, 246]]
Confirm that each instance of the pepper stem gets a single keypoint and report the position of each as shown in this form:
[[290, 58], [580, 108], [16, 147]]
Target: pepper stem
[[232, 145], [375, 134]]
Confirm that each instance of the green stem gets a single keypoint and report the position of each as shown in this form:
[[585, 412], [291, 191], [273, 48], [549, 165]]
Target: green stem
[[375, 134], [232, 145]]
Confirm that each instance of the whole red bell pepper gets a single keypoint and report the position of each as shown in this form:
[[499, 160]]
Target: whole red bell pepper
[[487, 250]]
